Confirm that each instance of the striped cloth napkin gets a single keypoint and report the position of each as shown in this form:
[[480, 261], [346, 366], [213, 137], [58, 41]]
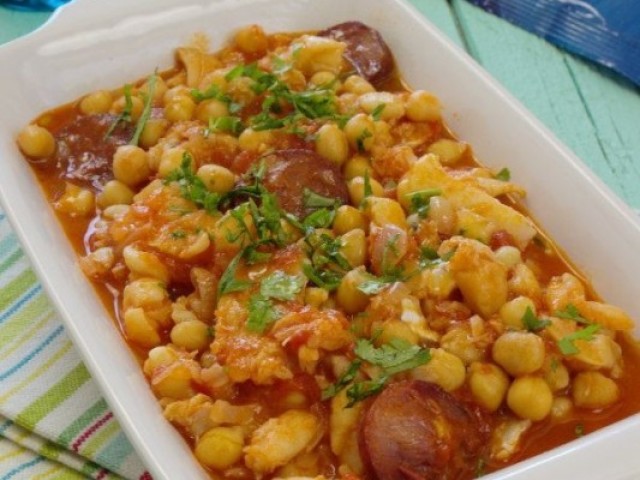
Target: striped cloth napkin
[[54, 423]]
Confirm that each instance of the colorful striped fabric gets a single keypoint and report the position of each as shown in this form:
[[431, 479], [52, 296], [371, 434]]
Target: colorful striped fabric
[[54, 423]]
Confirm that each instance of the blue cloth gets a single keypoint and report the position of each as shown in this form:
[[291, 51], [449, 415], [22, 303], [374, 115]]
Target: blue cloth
[[604, 31]]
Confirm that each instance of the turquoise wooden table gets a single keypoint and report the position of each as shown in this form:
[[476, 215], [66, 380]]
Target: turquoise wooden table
[[594, 112]]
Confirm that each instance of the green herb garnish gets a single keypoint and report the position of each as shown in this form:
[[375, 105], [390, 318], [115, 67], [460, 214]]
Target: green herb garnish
[[571, 312], [146, 111], [228, 281], [262, 314], [378, 111], [125, 115], [393, 357], [504, 175], [567, 345], [420, 200], [281, 286], [311, 199], [533, 323], [192, 187]]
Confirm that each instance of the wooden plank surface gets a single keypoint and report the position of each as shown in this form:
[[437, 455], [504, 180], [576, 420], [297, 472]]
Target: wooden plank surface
[[594, 113]]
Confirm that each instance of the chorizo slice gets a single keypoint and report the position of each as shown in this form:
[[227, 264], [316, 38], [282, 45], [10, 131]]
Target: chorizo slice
[[291, 171], [366, 49], [84, 150], [416, 430]]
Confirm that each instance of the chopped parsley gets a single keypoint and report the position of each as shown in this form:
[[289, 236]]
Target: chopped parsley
[[322, 218], [229, 124], [214, 93], [192, 187], [176, 234], [420, 200], [345, 379], [504, 175], [394, 357], [567, 345], [146, 111], [571, 312], [533, 323], [281, 106], [323, 278], [311, 199], [361, 138], [579, 430], [125, 115], [377, 112], [228, 281], [281, 286], [262, 314]]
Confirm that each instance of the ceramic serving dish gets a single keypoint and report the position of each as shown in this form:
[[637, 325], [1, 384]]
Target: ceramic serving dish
[[93, 44]]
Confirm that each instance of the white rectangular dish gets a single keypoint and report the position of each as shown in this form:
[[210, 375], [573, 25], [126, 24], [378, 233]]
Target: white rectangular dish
[[94, 44]]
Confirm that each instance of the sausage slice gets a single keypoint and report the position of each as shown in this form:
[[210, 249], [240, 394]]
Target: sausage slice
[[84, 150], [290, 171], [416, 430], [366, 49]]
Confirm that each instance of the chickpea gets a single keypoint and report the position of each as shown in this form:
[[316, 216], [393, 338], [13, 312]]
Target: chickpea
[[76, 201], [399, 330], [174, 383], [348, 296], [358, 85], [519, 352], [511, 313], [211, 109], [488, 384], [392, 107], [360, 131], [220, 447], [556, 374], [137, 106], [96, 102], [348, 218], [217, 178], [36, 141], [448, 151], [443, 214], [153, 131], [130, 165], [384, 211], [191, 335], [174, 93], [252, 39], [145, 264], [325, 80], [444, 369], [315, 296], [561, 407], [422, 106], [159, 90], [331, 143], [114, 192], [357, 166], [170, 161], [508, 256], [140, 329], [179, 109], [255, 141], [530, 398], [356, 189], [354, 247], [594, 390]]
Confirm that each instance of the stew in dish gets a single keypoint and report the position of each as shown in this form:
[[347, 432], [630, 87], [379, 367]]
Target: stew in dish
[[319, 279]]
